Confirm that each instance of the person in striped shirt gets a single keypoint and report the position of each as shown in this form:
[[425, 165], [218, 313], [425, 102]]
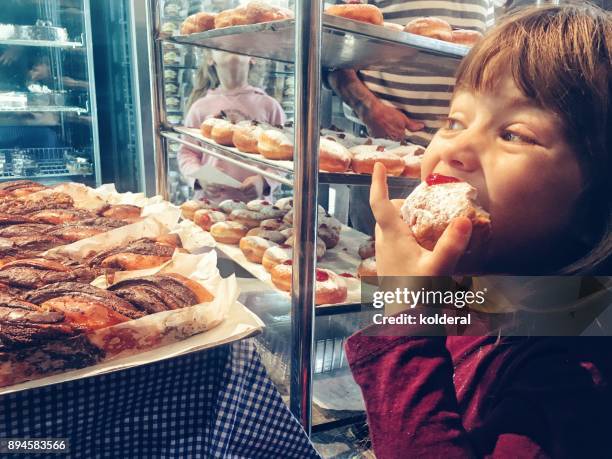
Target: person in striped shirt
[[410, 104]]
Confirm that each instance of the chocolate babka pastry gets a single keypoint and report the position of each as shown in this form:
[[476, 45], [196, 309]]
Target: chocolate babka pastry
[[161, 292], [32, 203], [11, 291], [86, 307], [110, 223], [24, 324], [59, 216], [125, 212], [36, 272], [75, 232], [32, 243], [24, 229], [56, 356], [11, 220], [140, 254], [20, 187]]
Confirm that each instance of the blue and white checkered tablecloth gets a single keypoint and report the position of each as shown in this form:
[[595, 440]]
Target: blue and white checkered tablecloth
[[217, 403]]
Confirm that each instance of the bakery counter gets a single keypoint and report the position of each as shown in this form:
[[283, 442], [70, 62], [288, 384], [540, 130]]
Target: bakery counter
[[345, 44], [279, 170]]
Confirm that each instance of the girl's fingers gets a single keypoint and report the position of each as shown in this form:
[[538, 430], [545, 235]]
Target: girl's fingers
[[398, 203], [452, 245], [384, 211]]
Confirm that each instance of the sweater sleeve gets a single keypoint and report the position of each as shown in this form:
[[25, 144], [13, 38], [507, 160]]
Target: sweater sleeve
[[407, 384], [544, 403]]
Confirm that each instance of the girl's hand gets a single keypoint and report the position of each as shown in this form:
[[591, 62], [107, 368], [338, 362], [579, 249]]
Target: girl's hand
[[397, 251]]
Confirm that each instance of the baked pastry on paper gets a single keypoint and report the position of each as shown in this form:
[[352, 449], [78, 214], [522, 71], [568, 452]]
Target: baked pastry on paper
[[433, 204]]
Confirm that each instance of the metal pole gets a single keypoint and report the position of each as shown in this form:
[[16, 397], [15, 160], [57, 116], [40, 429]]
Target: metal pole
[[157, 103], [307, 100], [143, 76]]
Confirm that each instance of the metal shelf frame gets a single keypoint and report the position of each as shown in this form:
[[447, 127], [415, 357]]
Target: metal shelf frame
[[283, 170], [345, 44], [45, 109], [42, 176], [42, 43], [311, 42]]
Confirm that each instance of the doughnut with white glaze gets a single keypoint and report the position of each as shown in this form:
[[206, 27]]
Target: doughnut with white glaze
[[253, 247], [205, 218], [228, 232]]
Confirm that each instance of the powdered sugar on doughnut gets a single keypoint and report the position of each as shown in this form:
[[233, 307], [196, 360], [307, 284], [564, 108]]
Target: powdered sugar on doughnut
[[279, 253], [415, 151], [334, 150], [276, 137], [429, 209], [259, 242]]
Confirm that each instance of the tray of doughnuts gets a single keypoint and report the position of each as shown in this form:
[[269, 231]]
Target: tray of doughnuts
[[343, 158], [354, 36], [258, 236]]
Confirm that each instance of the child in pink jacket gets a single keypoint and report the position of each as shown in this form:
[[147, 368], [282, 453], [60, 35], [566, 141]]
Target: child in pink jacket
[[233, 96]]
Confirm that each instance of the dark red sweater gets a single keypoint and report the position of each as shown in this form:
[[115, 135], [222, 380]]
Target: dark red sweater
[[462, 397]]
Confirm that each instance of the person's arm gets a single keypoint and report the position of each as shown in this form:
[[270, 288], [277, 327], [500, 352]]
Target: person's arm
[[382, 120], [540, 402]]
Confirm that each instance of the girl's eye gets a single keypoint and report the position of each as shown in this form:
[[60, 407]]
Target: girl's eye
[[453, 125], [509, 136]]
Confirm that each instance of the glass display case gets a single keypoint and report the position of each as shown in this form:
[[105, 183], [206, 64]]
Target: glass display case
[[65, 79], [48, 115], [303, 344]]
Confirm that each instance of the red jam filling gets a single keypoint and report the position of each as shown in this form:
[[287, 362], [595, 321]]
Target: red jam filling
[[347, 275], [265, 203], [438, 179], [322, 276], [288, 262], [285, 246], [380, 148], [236, 200]]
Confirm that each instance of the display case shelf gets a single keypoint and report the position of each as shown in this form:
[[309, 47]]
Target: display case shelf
[[43, 176], [42, 108], [281, 171], [345, 44], [41, 43]]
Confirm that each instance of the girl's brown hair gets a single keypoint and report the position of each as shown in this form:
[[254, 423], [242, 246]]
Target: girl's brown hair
[[561, 57]]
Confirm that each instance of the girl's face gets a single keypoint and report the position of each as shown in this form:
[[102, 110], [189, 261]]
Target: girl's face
[[232, 69], [517, 157]]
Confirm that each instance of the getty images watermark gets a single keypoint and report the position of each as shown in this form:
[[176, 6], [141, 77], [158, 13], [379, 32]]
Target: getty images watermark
[[488, 305], [407, 298]]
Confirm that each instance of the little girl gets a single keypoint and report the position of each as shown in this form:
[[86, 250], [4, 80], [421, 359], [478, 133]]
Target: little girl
[[529, 127], [232, 95]]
